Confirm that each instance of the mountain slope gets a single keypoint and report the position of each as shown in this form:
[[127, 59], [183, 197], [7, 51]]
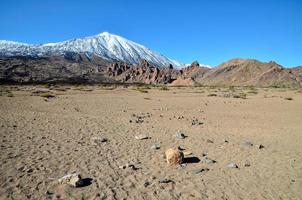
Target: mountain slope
[[241, 72], [105, 45]]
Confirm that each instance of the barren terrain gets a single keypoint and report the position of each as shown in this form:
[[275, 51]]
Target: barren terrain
[[47, 133]]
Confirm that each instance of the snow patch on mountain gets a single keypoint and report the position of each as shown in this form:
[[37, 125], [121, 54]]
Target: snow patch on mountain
[[108, 46]]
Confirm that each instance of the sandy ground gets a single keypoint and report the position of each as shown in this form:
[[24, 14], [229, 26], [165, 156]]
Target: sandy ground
[[45, 139]]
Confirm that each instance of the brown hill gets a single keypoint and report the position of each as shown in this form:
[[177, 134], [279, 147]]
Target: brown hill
[[75, 68], [246, 72]]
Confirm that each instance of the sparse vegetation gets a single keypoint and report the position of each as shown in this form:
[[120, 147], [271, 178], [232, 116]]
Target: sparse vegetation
[[212, 95], [47, 95], [240, 95], [288, 98], [142, 90], [164, 88]]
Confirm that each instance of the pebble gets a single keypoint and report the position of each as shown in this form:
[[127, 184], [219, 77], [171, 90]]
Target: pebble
[[209, 141], [180, 135], [248, 144], [165, 180], [130, 166], [209, 161], [142, 137], [147, 183], [197, 171], [155, 146], [247, 164], [232, 165], [180, 148]]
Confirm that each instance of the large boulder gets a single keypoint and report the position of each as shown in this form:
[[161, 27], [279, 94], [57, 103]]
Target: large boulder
[[174, 157]]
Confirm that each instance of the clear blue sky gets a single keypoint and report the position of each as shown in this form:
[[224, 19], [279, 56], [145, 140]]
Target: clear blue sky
[[210, 31]]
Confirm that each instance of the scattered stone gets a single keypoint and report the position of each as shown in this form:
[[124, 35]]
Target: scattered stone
[[208, 161], [209, 141], [247, 164], [232, 165], [225, 141], [204, 154], [260, 146], [155, 146], [165, 180], [248, 144], [142, 137], [197, 171], [99, 139], [196, 122], [174, 157], [180, 135], [180, 148], [129, 166], [147, 183], [74, 180], [49, 193]]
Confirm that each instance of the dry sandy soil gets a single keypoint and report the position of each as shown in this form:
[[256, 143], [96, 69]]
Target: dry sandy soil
[[43, 139]]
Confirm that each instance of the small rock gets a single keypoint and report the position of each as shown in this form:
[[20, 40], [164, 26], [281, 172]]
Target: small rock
[[99, 139], [209, 161], [248, 144], [180, 148], [232, 165], [146, 184], [74, 180], [165, 180], [197, 171], [142, 137], [174, 157], [247, 164], [260, 146], [180, 135], [196, 122], [155, 146], [204, 154], [129, 166], [209, 141]]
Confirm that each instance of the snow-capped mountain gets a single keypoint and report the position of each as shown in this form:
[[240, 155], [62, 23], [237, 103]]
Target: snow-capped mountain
[[105, 45]]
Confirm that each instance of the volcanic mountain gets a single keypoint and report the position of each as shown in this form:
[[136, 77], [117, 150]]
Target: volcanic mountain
[[108, 58], [107, 46]]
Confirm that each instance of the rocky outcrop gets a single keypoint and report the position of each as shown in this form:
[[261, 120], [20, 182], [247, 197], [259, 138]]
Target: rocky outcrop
[[82, 68]]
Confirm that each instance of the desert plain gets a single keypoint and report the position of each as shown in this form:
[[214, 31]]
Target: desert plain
[[47, 132]]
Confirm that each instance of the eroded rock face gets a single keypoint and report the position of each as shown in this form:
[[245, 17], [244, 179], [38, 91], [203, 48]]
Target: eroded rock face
[[174, 157], [144, 72]]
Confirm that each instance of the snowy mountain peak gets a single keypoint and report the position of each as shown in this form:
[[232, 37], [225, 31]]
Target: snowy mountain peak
[[108, 46]]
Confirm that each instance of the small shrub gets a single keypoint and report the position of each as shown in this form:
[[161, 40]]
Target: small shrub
[[163, 88], [288, 98], [141, 90], [212, 95], [240, 95]]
